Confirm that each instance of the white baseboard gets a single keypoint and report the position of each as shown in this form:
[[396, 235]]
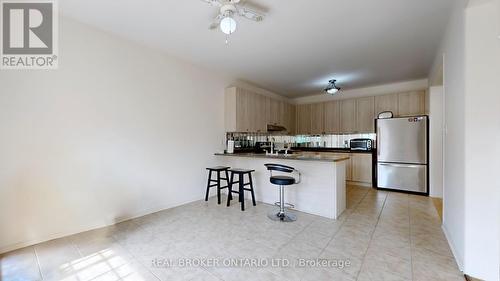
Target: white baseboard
[[453, 248], [358, 183], [52, 236]]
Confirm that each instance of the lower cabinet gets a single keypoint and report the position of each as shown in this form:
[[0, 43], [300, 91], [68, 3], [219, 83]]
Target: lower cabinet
[[361, 168], [358, 166]]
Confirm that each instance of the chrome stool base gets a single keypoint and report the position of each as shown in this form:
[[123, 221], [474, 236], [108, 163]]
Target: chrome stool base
[[281, 216]]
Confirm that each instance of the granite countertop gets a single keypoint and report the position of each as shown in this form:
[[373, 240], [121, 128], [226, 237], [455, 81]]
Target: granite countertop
[[321, 158]]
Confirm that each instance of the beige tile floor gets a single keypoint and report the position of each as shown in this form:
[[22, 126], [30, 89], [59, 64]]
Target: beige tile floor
[[381, 236]]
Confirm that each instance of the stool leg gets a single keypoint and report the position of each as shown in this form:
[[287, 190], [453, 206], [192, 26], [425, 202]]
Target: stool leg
[[282, 202], [251, 188], [242, 194], [230, 190], [218, 187], [227, 180], [208, 184]]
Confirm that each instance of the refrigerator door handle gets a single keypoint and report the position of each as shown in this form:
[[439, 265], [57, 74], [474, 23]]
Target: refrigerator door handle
[[400, 165], [379, 133]]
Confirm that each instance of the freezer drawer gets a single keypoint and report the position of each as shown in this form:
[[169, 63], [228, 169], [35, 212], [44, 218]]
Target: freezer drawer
[[406, 177]]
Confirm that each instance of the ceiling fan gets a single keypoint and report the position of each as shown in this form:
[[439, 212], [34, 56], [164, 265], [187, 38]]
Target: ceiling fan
[[228, 9]]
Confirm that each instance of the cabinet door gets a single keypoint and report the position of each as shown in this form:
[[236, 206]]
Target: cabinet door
[[274, 111], [283, 116], [348, 168], [332, 117], [242, 114], [361, 167], [260, 113], [304, 119], [292, 119], [317, 118], [365, 115], [412, 103], [386, 103], [348, 116]]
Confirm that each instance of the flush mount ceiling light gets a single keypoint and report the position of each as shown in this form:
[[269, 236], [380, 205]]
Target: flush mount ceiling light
[[332, 88], [227, 10]]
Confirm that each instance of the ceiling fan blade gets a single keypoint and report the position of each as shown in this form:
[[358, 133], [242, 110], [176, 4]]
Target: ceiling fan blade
[[215, 3], [215, 24], [250, 14]]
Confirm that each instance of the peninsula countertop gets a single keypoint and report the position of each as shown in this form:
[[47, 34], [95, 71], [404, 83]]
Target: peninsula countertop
[[306, 157]]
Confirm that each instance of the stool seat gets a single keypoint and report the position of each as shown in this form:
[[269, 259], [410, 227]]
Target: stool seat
[[218, 168], [282, 180], [241, 171]]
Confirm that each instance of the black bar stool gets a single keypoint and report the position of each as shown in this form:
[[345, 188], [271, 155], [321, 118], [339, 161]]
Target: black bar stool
[[241, 186], [218, 170], [282, 181]]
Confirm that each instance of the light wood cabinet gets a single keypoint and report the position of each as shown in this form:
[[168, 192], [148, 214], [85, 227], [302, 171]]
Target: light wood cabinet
[[348, 168], [242, 120], [411, 103], [291, 119], [304, 119], [260, 113], [365, 116], [331, 117], [273, 111], [361, 167], [348, 116], [246, 111], [317, 118], [386, 103]]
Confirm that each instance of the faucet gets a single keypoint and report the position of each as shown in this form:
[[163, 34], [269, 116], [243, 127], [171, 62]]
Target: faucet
[[272, 146]]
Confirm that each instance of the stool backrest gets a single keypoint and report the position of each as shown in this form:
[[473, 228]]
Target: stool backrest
[[279, 168]]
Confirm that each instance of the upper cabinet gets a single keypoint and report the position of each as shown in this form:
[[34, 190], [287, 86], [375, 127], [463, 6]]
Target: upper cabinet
[[411, 103], [386, 103], [246, 111], [317, 118], [365, 116], [331, 117], [348, 116], [303, 119]]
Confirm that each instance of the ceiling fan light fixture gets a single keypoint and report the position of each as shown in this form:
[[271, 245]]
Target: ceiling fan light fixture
[[228, 25], [332, 88]]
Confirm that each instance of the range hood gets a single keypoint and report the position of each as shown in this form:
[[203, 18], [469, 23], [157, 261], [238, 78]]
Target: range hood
[[275, 128]]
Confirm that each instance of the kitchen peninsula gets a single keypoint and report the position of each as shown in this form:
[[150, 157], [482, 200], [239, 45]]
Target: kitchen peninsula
[[322, 190]]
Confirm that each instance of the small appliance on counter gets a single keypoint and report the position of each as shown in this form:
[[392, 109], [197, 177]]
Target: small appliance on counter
[[230, 146], [361, 144]]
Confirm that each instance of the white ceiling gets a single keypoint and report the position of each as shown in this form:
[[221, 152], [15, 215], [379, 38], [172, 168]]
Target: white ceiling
[[298, 47]]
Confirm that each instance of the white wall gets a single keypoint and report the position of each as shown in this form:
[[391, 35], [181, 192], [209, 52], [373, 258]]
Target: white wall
[[117, 131], [453, 50], [472, 156], [436, 141], [482, 127]]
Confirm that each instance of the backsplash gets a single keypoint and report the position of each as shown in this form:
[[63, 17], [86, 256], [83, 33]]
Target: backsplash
[[328, 140]]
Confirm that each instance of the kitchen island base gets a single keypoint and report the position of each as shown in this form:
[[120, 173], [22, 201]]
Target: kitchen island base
[[322, 190]]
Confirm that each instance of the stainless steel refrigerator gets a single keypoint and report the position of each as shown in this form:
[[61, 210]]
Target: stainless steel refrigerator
[[402, 154]]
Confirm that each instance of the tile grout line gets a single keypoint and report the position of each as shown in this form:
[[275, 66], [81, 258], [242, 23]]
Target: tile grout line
[[38, 263], [342, 224], [371, 236], [132, 254], [411, 240]]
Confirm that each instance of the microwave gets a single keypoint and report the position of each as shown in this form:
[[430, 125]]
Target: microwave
[[361, 144]]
